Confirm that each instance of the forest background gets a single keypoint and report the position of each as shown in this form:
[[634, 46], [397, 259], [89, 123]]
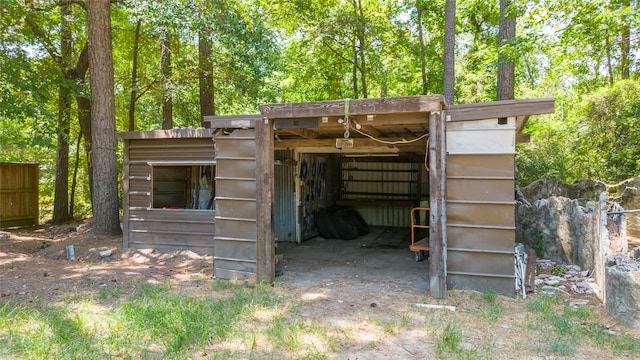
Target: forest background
[[174, 60]]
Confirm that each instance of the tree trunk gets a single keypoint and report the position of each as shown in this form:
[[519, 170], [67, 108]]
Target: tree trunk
[[360, 33], [625, 43], [134, 80], [423, 61], [105, 194], [354, 69], [207, 95], [167, 87], [449, 50], [84, 118], [506, 66], [74, 178], [61, 192]]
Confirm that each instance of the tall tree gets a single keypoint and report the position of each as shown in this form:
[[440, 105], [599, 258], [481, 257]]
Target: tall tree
[[134, 78], [506, 65], [167, 80], [105, 194], [449, 50], [207, 94], [61, 211]]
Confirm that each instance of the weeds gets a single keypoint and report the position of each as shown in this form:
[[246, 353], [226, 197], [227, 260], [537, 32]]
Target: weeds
[[558, 270]]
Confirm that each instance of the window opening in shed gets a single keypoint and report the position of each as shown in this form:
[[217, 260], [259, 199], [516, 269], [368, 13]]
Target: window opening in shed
[[183, 187]]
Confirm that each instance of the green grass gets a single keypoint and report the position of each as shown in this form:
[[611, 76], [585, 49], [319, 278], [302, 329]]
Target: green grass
[[235, 320]]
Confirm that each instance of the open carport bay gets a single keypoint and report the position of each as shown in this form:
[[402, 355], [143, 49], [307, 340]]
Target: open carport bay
[[330, 268]]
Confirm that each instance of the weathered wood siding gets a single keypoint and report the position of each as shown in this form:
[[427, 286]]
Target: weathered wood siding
[[163, 229], [19, 186], [481, 204], [236, 215]]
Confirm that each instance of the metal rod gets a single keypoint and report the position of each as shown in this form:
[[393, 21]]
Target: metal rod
[[623, 211]]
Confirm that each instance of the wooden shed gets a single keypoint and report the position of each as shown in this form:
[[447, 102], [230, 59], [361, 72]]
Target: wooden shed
[[276, 171], [168, 188], [19, 193]]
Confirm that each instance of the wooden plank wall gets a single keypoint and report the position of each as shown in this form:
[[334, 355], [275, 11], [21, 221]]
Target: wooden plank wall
[[163, 229], [481, 205], [19, 190], [236, 206]]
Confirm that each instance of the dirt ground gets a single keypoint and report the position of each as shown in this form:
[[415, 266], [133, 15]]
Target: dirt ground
[[346, 281], [34, 264]]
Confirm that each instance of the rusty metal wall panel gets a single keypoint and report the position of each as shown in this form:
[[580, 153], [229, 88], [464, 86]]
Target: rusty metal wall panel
[[480, 263], [480, 239], [234, 168], [481, 165], [172, 230], [285, 201], [480, 211], [480, 283], [481, 214], [240, 188], [479, 189], [236, 249], [236, 229], [186, 149], [234, 208]]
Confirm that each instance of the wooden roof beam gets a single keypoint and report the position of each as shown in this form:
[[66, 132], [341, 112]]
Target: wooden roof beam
[[500, 109], [399, 105]]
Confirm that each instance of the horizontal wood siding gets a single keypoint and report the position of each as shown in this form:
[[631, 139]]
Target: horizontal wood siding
[[163, 229], [236, 215], [19, 190], [481, 205]]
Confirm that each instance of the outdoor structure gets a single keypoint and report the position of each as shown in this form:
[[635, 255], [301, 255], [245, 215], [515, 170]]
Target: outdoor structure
[[278, 171], [19, 190], [168, 189]]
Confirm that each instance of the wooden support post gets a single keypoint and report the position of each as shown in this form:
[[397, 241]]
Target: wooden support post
[[265, 246], [438, 205]]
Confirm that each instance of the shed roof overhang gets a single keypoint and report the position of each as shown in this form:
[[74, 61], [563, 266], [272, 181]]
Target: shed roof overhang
[[177, 133], [387, 125]]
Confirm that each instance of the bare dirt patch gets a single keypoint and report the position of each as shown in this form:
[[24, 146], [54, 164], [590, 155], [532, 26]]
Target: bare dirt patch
[[34, 264]]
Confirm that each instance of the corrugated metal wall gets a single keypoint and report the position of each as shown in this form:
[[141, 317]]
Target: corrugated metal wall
[[481, 205], [285, 196], [236, 214], [393, 187], [164, 229]]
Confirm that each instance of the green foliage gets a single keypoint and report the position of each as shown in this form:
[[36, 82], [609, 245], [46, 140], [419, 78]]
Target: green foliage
[[557, 270]]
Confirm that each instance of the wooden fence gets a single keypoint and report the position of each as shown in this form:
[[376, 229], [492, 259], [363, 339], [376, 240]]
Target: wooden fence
[[18, 194]]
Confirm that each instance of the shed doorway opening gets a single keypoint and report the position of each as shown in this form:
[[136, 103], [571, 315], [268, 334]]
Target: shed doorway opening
[[352, 215]]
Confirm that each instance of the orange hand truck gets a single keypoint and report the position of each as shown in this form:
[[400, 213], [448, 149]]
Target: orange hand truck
[[420, 247]]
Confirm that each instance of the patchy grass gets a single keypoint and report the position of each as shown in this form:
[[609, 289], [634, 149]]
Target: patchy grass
[[235, 320]]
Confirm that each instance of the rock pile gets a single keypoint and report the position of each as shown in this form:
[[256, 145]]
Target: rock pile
[[553, 278]]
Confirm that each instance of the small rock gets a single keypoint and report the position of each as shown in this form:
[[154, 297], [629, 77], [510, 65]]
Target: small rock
[[505, 326], [373, 305], [552, 282], [585, 273], [575, 268], [539, 282], [550, 290], [106, 253], [577, 290]]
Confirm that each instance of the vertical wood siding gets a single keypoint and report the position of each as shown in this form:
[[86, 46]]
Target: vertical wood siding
[[19, 186]]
